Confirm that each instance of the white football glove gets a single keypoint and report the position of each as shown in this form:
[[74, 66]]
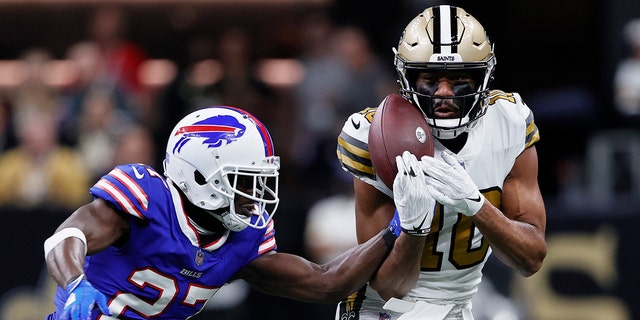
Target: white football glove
[[414, 204], [450, 184]]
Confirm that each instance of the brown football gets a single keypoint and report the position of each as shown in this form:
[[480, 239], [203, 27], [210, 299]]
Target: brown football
[[397, 126]]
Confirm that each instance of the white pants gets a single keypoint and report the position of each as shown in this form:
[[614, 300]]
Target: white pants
[[396, 309]]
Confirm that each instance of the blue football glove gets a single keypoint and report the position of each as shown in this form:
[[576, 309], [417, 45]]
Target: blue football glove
[[82, 299]]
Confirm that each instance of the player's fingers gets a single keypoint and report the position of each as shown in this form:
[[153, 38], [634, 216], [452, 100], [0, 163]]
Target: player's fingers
[[438, 196], [400, 181], [74, 313], [410, 162], [87, 313], [450, 160], [434, 182], [102, 304], [84, 310], [400, 165], [70, 313], [416, 166], [404, 166], [434, 168], [409, 158]]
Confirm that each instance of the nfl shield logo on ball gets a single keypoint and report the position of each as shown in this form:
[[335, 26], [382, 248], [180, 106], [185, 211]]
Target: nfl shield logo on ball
[[421, 135]]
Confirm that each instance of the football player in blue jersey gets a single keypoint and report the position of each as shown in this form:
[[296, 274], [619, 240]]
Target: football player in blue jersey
[[159, 246], [483, 176]]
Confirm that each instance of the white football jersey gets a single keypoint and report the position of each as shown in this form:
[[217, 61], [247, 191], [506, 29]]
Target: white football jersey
[[455, 250]]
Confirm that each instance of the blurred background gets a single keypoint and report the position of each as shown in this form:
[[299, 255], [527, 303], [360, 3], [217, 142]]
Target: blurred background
[[88, 84]]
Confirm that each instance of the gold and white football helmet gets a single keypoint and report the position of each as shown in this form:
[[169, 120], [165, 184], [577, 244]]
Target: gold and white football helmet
[[446, 38]]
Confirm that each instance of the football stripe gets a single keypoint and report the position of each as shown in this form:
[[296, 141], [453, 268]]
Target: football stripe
[[121, 198], [135, 189], [453, 23], [354, 146], [445, 29], [532, 135], [268, 245], [532, 131], [437, 36], [264, 133], [354, 155]]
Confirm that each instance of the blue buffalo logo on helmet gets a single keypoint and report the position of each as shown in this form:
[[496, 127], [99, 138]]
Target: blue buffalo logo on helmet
[[216, 130]]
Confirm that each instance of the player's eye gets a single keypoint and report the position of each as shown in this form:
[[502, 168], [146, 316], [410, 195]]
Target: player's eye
[[243, 182], [427, 78]]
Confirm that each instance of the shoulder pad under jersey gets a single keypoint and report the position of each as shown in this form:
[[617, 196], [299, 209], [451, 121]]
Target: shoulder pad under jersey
[[514, 109], [129, 188], [353, 149]]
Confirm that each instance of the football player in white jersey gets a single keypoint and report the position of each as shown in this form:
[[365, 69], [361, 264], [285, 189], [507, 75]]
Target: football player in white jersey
[[483, 176], [153, 246]]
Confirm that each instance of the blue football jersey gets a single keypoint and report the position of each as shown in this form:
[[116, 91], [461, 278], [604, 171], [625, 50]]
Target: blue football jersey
[[164, 270]]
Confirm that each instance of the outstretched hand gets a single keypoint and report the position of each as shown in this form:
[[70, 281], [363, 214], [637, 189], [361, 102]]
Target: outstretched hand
[[413, 202], [82, 299], [450, 184]]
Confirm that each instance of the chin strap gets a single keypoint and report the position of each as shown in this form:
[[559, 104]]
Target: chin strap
[[200, 229], [230, 221]]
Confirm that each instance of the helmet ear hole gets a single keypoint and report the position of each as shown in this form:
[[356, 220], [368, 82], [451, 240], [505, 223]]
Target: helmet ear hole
[[199, 178]]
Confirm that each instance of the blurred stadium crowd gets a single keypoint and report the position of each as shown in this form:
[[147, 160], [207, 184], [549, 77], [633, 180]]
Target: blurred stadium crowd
[[108, 101]]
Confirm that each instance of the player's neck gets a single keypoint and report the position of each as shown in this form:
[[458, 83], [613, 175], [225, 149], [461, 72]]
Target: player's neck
[[204, 222], [456, 144]]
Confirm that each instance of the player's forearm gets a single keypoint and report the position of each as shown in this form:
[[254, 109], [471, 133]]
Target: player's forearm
[[399, 272], [66, 261], [353, 269], [519, 245]]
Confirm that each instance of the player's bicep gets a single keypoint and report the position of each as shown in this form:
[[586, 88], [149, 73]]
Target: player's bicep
[[100, 223], [374, 210], [521, 197]]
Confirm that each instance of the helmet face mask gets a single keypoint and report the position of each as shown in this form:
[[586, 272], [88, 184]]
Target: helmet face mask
[[222, 159], [445, 41], [252, 192]]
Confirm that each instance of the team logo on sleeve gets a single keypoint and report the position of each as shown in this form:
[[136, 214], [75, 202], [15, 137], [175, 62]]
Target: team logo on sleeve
[[214, 132]]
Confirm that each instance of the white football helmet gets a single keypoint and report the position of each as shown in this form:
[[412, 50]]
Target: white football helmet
[[216, 153], [443, 38]]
